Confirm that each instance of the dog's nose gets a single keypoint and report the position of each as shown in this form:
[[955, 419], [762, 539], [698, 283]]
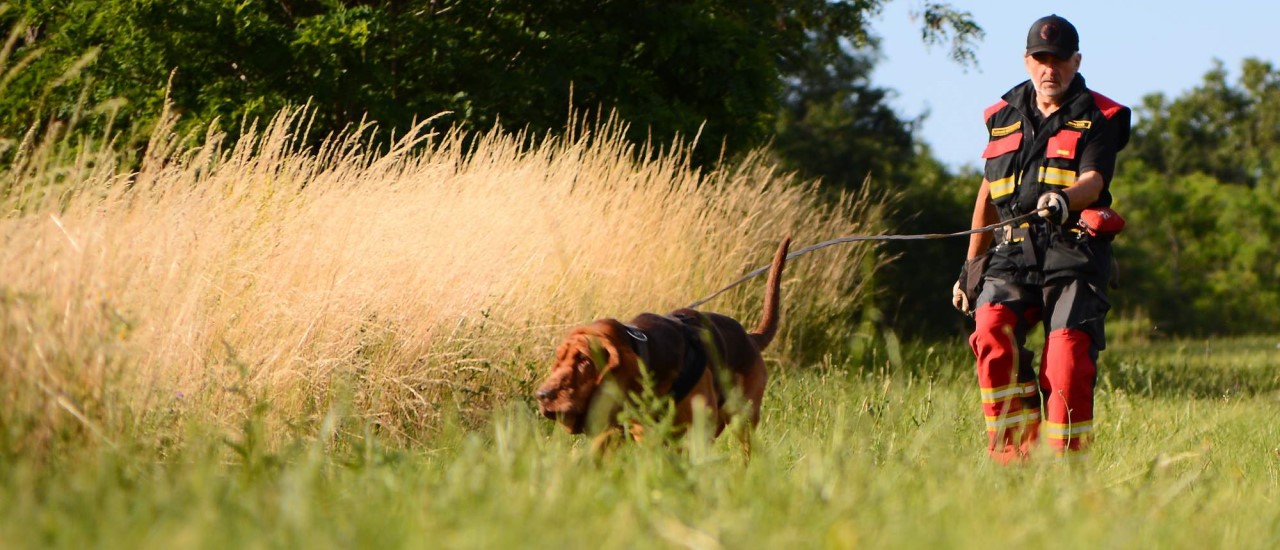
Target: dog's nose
[[544, 394]]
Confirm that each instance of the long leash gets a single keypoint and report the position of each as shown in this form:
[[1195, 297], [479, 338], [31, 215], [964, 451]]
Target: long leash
[[860, 238]]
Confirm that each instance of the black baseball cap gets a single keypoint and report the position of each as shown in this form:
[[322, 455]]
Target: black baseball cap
[[1053, 35]]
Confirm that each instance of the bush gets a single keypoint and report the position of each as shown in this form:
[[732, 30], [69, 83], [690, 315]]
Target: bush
[[1197, 255]]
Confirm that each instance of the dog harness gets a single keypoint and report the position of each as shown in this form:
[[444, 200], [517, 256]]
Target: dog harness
[[695, 356]]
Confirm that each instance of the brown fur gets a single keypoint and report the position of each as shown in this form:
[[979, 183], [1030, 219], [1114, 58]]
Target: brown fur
[[576, 378]]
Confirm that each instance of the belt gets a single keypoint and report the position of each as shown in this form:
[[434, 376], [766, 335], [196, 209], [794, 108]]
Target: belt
[[1011, 234], [1020, 235]]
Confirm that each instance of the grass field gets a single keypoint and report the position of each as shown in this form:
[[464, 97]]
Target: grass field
[[265, 345], [843, 459]]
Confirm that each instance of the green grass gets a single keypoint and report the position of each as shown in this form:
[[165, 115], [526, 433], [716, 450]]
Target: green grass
[[1197, 368], [258, 345], [870, 457]]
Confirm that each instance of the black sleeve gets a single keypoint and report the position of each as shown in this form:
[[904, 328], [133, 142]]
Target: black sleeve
[[1099, 151]]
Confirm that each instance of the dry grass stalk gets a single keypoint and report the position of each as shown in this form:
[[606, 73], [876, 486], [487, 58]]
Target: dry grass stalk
[[434, 275]]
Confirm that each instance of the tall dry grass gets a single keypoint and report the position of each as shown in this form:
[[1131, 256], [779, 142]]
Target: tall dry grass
[[408, 282]]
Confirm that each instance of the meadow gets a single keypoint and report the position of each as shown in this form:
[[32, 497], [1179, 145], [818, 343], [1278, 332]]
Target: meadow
[[266, 344]]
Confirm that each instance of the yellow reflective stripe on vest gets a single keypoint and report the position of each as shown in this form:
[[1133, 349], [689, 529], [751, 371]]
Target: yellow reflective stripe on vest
[[1001, 187], [1055, 176]]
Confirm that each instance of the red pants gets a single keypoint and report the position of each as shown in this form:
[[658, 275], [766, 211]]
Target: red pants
[[1010, 400]]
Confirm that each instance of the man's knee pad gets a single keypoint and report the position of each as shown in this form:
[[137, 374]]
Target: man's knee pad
[[1069, 360], [994, 334], [1067, 380]]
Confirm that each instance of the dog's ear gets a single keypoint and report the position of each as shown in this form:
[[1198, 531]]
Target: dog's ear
[[588, 353], [614, 354], [595, 356]]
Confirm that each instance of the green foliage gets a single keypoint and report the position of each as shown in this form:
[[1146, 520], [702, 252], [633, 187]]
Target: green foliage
[[1199, 189], [835, 124], [708, 68], [1197, 255], [917, 284], [1230, 132]]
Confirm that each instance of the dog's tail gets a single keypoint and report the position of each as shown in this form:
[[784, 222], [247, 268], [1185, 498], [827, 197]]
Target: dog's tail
[[768, 327]]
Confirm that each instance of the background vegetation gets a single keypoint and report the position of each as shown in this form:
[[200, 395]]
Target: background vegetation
[[229, 318], [724, 78], [713, 68], [1201, 183]]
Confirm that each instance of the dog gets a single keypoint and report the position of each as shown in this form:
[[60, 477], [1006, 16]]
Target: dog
[[690, 357]]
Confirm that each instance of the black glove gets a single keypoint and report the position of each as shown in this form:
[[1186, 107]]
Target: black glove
[[964, 295]]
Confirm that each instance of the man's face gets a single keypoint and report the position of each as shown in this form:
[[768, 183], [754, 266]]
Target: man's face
[[1051, 74]]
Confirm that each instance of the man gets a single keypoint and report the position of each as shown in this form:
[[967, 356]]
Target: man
[[1051, 148]]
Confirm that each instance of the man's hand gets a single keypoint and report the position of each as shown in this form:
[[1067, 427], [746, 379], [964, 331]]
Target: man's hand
[[959, 300], [1052, 206], [964, 295]]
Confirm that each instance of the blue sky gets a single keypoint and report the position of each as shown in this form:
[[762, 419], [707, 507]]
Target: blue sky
[[1129, 49]]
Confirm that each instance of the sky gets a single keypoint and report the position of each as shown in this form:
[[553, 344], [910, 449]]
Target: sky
[[1129, 49]]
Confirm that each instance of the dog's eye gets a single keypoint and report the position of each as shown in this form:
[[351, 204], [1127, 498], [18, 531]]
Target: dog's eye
[[583, 363]]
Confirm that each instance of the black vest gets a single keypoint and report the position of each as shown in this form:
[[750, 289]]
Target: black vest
[[1023, 161]]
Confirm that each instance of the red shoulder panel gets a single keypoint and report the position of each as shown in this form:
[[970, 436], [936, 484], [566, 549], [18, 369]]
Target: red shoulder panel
[[1006, 144], [1105, 104], [986, 115]]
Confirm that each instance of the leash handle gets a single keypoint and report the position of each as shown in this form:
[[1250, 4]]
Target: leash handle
[[860, 238]]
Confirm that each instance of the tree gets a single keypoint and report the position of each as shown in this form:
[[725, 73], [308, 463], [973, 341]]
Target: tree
[[835, 124], [713, 67], [1199, 188], [1229, 132], [1198, 256]]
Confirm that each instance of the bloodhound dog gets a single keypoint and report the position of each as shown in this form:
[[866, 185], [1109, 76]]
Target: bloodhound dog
[[693, 358]]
